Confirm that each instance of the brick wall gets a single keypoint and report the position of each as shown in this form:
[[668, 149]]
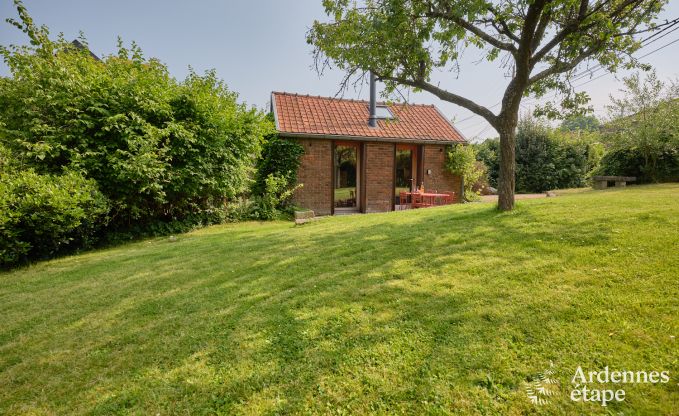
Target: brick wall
[[441, 179], [379, 176], [315, 173]]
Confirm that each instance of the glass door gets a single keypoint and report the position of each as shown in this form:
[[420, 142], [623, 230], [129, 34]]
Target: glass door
[[406, 172], [346, 177]]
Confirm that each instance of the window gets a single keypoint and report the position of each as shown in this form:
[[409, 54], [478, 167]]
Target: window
[[405, 166], [346, 177], [383, 112]]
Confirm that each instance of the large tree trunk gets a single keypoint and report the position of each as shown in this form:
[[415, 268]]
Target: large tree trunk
[[507, 177]]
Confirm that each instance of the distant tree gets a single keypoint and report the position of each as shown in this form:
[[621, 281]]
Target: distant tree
[[580, 122], [645, 122], [539, 42]]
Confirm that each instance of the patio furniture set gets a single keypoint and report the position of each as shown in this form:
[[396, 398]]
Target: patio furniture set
[[421, 199]]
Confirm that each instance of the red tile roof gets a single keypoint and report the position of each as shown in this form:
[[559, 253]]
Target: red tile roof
[[322, 116]]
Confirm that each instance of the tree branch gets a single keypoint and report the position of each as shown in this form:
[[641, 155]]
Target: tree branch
[[506, 46], [533, 17], [560, 67], [446, 96], [569, 28], [540, 31], [575, 25], [503, 29]]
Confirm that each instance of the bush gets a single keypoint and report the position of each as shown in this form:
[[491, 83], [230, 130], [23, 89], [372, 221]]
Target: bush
[[281, 158], [41, 215], [162, 151], [269, 205], [631, 162], [488, 152], [545, 158], [643, 136], [461, 160]]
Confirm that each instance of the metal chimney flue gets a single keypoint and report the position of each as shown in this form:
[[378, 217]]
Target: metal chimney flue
[[372, 120]]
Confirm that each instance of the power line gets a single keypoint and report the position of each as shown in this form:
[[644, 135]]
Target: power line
[[580, 85], [669, 27], [482, 131], [598, 67], [609, 73]]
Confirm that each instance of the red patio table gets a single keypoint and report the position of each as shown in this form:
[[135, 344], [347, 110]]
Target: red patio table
[[427, 199]]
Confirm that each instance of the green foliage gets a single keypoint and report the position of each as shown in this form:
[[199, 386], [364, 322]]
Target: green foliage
[[41, 215], [461, 160], [165, 154], [488, 152], [406, 41], [281, 158], [545, 158], [580, 123], [277, 192], [271, 204], [631, 162], [161, 150], [643, 136]]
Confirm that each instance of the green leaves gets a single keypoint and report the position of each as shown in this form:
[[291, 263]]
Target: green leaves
[[41, 215], [160, 150], [542, 43], [461, 160], [643, 133], [281, 158], [546, 158]]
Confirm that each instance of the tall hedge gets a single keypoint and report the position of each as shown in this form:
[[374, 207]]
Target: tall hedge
[[42, 215], [545, 158], [631, 162], [159, 149], [281, 158]]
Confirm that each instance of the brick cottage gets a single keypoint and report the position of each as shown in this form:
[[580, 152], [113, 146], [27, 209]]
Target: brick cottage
[[349, 165]]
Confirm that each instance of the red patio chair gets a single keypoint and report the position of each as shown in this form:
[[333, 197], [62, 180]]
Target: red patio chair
[[417, 200], [403, 200], [450, 197]]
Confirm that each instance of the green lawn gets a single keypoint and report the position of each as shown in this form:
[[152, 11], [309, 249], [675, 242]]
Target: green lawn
[[437, 311]]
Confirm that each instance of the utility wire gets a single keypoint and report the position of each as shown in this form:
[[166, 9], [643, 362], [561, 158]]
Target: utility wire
[[669, 28], [577, 86]]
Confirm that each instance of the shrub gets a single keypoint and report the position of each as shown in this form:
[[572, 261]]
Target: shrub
[[281, 158], [631, 162], [461, 160], [545, 158], [488, 152], [269, 205], [41, 215], [643, 136], [161, 150]]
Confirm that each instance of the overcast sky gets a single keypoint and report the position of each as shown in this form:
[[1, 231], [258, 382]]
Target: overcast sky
[[260, 46]]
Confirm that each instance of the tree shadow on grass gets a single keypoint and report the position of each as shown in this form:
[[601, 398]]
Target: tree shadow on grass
[[365, 316]]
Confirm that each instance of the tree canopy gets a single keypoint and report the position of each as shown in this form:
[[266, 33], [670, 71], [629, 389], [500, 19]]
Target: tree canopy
[[539, 43], [580, 122]]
